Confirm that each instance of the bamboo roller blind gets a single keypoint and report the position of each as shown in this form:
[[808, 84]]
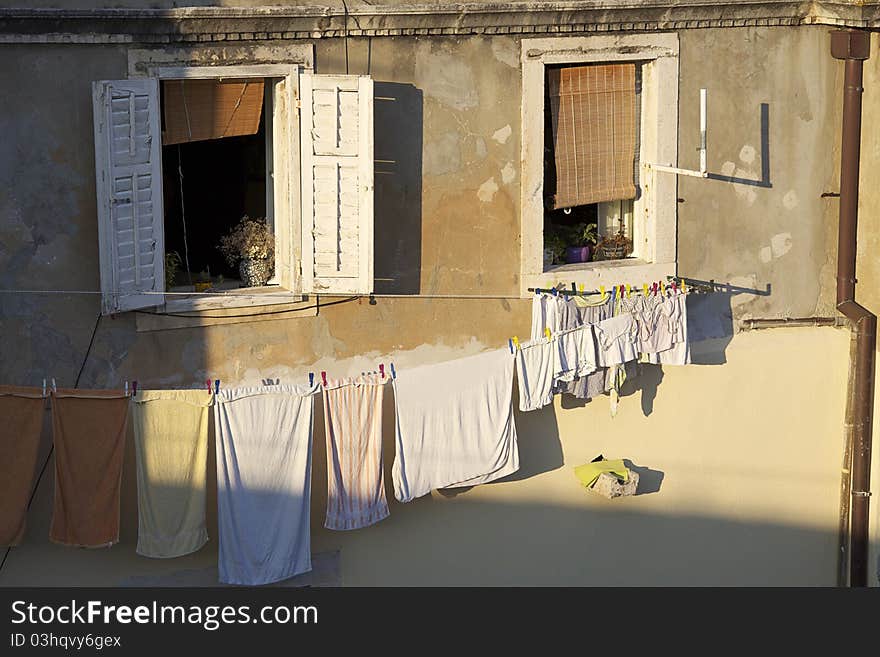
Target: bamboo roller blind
[[195, 110], [593, 112]]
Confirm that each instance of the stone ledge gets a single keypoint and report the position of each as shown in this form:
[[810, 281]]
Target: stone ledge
[[202, 24]]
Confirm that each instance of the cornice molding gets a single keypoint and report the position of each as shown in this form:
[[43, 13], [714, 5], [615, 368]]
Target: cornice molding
[[219, 24]]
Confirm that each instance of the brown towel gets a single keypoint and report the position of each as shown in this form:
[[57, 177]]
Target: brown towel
[[21, 421], [89, 433]]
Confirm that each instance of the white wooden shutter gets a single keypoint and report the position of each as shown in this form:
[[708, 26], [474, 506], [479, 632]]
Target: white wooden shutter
[[128, 158], [337, 183]]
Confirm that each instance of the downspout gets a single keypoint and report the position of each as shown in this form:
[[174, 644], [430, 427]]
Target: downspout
[[853, 46]]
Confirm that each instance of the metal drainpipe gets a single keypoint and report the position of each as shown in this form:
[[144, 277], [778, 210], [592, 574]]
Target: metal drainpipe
[[853, 46]]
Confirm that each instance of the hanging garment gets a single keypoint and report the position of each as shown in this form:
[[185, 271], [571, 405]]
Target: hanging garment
[[264, 439], [353, 426], [171, 443], [616, 339], [534, 373], [590, 310], [539, 316], [88, 428], [454, 424], [674, 323], [21, 410]]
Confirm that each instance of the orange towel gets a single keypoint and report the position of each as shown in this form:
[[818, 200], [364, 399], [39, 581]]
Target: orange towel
[[89, 433], [21, 421]]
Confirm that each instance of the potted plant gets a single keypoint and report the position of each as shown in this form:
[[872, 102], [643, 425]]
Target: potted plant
[[554, 247], [580, 237], [251, 245], [614, 247], [172, 267]]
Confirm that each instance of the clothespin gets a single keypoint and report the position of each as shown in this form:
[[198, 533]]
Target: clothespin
[[602, 290], [622, 289], [217, 387], [628, 290], [324, 378], [581, 289], [382, 369], [54, 388], [515, 342], [134, 388], [654, 289], [510, 344], [684, 286], [311, 379], [645, 289], [44, 387], [662, 288], [555, 292], [126, 387], [393, 373], [208, 383], [547, 333]]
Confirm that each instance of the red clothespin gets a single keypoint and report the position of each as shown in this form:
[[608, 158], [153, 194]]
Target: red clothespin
[[324, 378], [382, 369], [654, 288], [208, 383]]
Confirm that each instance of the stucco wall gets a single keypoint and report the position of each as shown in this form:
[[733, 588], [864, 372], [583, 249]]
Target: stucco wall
[[749, 442]]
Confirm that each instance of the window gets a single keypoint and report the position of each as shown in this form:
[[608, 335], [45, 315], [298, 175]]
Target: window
[[269, 141], [607, 106]]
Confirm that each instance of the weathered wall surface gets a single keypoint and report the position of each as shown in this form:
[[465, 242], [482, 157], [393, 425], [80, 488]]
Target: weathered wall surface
[[750, 444]]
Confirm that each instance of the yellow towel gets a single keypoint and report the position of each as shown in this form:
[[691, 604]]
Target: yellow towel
[[588, 473], [171, 439]]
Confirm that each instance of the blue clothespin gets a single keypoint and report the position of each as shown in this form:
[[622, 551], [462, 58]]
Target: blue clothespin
[[217, 387], [311, 379], [134, 388], [510, 344], [393, 373]]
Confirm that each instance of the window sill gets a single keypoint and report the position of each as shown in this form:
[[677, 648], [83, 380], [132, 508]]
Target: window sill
[[195, 312], [604, 273], [243, 297]]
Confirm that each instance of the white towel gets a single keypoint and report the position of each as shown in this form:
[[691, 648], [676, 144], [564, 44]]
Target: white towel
[[680, 353], [264, 439], [534, 374], [454, 424], [353, 426]]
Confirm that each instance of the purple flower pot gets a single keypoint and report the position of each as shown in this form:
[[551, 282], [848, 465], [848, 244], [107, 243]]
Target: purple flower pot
[[577, 254]]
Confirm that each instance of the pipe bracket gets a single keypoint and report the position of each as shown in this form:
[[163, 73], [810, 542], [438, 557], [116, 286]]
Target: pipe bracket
[[861, 493]]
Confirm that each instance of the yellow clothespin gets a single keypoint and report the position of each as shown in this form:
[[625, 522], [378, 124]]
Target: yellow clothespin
[[547, 333], [645, 289], [602, 290], [515, 342], [581, 288], [662, 288], [628, 290], [684, 286]]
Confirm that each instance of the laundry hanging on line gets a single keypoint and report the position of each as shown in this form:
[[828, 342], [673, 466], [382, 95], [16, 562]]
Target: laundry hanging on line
[[88, 430], [171, 443], [353, 431], [21, 410], [264, 458], [455, 424]]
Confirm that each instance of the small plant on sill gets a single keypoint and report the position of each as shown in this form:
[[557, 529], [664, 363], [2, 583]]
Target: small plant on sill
[[614, 247], [172, 268], [251, 245]]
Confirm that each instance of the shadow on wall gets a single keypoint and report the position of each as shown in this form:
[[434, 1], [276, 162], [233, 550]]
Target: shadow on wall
[[398, 188]]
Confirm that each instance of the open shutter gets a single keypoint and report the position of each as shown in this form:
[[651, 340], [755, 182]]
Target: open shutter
[[337, 183], [129, 183]]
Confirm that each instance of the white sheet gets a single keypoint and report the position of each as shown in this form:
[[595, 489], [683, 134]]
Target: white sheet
[[264, 440], [454, 424]]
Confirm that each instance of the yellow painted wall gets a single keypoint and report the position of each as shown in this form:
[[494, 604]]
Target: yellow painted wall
[[749, 453]]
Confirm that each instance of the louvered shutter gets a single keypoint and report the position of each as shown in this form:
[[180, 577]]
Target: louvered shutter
[[337, 183], [129, 185]]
